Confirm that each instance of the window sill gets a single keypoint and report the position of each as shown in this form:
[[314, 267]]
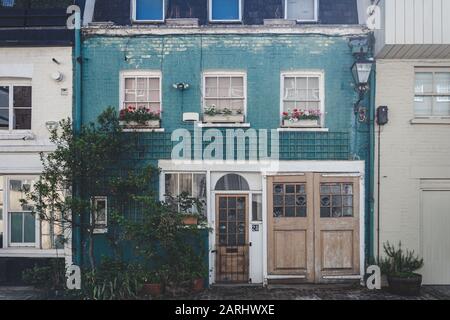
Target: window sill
[[438, 121], [101, 231], [19, 135], [31, 252], [144, 130], [224, 125], [305, 129]]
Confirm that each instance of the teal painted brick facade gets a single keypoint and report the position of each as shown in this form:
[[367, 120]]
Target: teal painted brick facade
[[182, 58]]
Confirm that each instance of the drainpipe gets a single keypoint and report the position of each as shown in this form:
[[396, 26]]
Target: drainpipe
[[77, 124], [372, 162]]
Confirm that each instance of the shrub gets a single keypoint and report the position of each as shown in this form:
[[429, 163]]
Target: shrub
[[399, 262]]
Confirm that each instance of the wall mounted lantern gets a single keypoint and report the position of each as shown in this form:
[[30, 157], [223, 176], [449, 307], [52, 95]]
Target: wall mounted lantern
[[361, 70]]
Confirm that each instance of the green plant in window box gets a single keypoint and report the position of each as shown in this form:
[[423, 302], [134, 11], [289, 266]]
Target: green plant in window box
[[139, 117], [399, 266]]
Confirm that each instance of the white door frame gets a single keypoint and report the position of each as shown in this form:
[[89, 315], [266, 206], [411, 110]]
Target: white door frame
[[331, 168]]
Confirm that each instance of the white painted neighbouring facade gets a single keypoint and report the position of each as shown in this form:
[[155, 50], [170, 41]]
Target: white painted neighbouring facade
[[45, 74], [413, 80]]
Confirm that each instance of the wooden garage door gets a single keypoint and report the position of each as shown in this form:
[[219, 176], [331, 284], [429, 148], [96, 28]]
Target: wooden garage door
[[436, 237], [313, 226]]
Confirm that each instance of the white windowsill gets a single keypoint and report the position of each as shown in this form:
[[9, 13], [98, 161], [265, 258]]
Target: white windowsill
[[16, 135], [303, 129], [144, 130], [31, 253], [224, 125], [445, 121]]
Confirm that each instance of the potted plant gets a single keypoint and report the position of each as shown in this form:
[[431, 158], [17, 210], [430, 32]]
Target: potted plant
[[152, 284], [399, 266], [213, 115], [139, 118], [301, 118]]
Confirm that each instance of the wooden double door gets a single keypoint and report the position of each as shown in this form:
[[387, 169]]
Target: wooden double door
[[313, 227]]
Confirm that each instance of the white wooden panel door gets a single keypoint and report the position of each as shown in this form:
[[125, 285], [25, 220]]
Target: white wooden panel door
[[436, 237]]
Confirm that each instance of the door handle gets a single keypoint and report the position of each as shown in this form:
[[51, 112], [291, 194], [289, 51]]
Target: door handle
[[213, 251]]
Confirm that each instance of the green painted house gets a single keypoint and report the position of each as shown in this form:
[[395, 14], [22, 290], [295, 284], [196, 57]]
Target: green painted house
[[257, 113]]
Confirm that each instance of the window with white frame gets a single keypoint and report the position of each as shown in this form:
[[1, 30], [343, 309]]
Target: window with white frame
[[1, 211], [302, 10], [225, 94], [100, 214], [225, 10], [15, 107], [19, 226], [21, 220], [302, 97], [189, 183], [432, 92], [149, 10], [141, 90]]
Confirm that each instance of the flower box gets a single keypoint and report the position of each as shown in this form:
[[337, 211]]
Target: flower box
[[301, 123], [222, 118], [136, 125]]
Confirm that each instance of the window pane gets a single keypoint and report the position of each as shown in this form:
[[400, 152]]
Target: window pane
[[153, 84], [15, 194], [4, 119], [300, 9], [22, 119], [4, 108], [211, 87], [22, 108], [130, 83], [22, 97], [100, 211], [225, 9], [442, 82], [29, 228], [1, 212], [186, 183], [16, 221], [224, 87], [441, 106], [149, 9], [424, 82], [171, 184], [257, 207], [422, 106]]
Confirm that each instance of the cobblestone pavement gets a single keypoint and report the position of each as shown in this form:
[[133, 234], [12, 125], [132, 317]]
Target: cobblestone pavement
[[305, 292], [19, 293], [300, 292]]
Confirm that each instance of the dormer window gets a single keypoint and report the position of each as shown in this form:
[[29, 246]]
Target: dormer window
[[225, 10], [302, 10], [149, 10]]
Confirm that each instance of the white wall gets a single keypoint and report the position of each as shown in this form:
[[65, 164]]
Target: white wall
[[48, 103], [410, 153], [415, 23]]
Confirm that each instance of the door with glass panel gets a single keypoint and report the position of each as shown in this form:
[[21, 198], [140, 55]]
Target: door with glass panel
[[290, 224], [232, 249], [313, 226], [336, 224]]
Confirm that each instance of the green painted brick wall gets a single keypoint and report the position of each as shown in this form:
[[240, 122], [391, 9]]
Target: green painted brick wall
[[182, 58]]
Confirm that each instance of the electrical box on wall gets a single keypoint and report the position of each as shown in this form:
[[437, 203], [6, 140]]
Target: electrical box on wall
[[382, 115]]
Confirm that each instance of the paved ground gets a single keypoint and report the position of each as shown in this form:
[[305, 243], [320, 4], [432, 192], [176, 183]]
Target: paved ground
[[300, 292], [19, 293], [305, 292]]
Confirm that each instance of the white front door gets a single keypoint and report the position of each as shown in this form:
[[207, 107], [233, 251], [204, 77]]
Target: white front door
[[436, 236]]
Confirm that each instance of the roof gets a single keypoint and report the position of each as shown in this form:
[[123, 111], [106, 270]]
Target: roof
[[35, 22], [255, 11]]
